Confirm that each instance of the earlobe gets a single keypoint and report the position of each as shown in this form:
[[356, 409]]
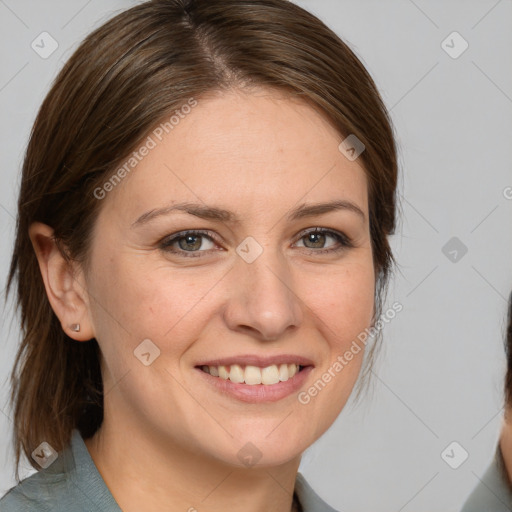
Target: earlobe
[[64, 283]]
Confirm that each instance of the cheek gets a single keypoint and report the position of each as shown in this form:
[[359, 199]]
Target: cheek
[[342, 306], [136, 301], [344, 303]]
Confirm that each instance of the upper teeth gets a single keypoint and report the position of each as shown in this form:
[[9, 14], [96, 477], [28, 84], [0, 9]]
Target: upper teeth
[[253, 374]]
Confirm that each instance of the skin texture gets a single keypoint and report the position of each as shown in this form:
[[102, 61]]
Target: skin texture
[[169, 440]]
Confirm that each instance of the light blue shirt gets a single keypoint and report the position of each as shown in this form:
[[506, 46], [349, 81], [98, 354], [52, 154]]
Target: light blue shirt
[[72, 483], [493, 493]]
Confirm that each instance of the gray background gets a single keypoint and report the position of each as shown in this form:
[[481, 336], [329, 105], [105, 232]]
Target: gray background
[[439, 377]]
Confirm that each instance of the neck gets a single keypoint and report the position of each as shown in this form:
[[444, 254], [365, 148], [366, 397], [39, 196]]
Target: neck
[[155, 474]]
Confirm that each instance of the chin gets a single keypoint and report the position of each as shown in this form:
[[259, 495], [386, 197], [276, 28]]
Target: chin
[[265, 445]]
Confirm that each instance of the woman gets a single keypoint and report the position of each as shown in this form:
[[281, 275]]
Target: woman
[[494, 491], [202, 237]]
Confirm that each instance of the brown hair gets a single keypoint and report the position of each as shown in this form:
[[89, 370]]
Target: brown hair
[[508, 351], [124, 78]]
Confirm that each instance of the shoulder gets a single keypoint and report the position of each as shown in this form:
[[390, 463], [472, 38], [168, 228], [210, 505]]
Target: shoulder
[[309, 500], [70, 484], [39, 492], [493, 492]]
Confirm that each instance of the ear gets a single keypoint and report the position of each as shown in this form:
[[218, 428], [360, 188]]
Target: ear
[[64, 283]]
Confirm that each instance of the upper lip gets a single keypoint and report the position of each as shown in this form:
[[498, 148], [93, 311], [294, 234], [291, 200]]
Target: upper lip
[[261, 361]]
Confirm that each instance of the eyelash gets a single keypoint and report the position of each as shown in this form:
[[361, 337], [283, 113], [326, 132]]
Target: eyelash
[[166, 243]]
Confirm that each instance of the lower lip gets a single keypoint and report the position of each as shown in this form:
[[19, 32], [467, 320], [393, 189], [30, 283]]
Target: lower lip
[[258, 393]]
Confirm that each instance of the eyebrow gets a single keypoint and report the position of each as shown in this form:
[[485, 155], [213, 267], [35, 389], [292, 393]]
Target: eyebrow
[[213, 213]]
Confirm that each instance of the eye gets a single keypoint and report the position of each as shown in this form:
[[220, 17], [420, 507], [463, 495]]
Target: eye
[[188, 242], [196, 243], [318, 238]]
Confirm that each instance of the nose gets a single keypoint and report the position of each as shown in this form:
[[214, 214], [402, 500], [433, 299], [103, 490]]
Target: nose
[[262, 302]]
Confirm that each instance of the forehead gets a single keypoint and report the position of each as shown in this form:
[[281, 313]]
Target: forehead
[[254, 150]]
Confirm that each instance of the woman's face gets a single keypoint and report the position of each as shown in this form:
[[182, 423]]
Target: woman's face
[[254, 289]]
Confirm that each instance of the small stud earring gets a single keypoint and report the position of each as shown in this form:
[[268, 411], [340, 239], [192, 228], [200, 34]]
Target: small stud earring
[[75, 327]]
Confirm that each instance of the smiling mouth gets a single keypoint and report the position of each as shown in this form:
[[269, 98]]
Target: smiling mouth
[[253, 375]]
